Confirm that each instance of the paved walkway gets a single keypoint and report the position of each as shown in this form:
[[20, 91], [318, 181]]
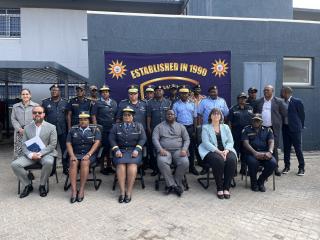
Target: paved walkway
[[290, 212]]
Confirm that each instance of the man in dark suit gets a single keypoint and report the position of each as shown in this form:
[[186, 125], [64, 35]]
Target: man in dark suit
[[291, 130], [273, 110]]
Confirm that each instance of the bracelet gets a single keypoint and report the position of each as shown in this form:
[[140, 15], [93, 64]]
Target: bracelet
[[89, 154]]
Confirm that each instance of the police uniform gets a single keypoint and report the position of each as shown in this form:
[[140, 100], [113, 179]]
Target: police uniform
[[250, 101], [127, 137], [140, 108], [157, 109], [75, 106], [56, 114], [239, 118], [150, 88], [259, 142], [186, 113], [82, 140]]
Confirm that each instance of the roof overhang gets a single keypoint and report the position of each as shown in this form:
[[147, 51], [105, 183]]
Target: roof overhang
[[135, 6], [34, 72]]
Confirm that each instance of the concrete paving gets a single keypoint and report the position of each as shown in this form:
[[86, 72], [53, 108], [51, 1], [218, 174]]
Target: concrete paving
[[290, 212]]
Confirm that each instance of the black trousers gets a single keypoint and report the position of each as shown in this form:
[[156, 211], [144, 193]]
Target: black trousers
[[236, 133], [192, 146], [289, 139], [223, 170]]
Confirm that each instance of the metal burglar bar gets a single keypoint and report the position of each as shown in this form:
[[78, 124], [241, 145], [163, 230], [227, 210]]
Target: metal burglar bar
[[10, 26]]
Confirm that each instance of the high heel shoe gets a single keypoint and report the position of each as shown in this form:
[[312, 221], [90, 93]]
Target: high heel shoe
[[73, 199], [80, 199], [121, 199], [127, 199]]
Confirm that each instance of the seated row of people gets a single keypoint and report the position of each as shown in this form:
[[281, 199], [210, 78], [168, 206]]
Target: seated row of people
[[127, 138]]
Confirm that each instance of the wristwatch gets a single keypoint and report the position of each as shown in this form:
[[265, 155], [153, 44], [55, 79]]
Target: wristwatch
[[270, 152]]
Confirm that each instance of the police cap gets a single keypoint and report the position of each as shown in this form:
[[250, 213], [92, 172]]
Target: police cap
[[257, 116], [252, 90], [133, 89], [242, 95], [128, 109], [84, 114], [214, 87], [104, 88]]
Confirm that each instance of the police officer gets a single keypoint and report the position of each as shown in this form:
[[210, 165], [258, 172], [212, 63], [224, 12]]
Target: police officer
[[127, 139], [173, 89], [149, 93], [156, 113], [83, 141], [186, 114], [139, 106], [93, 94], [104, 113], [258, 142], [213, 101], [240, 115], [56, 110], [76, 105], [252, 99]]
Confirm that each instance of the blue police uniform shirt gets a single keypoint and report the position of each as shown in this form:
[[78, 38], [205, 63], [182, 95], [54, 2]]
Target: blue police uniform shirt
[[207, 104], [257, 140], [185, 112], [76, 106], [82, 140], [157, 109], [140, 109], [105, 112], [56, 113]]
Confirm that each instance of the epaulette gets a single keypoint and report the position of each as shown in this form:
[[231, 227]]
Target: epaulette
[[124, 100], [75, 126], [270, 130]]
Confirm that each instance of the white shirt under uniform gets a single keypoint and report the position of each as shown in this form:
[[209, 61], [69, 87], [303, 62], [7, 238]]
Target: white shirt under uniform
[[266, 113]]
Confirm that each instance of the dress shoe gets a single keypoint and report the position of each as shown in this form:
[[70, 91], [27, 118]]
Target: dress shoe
[[73, 199], [127, 199], [277, 172], [178, 190], [28, 189], [121, 199], [42, 191], [169, 190], [194, 171], [204, 171], [80, 199], [261, 187], [226, 195], [254, 187], [285, 170], [300, 172], [154, 173], [220, 195], [30, 176]]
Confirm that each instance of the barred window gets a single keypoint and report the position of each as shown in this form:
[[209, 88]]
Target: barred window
[[10, 26]]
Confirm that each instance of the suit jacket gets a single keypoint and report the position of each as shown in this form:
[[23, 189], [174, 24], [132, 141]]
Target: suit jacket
[[278, 113], [296, 115], [209, 139], [48, 135]]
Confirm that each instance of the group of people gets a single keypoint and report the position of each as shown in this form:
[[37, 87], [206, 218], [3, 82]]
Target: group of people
[[160, 133]]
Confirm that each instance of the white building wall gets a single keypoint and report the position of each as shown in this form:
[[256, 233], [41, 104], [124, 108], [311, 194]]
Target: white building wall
[[49, 35]]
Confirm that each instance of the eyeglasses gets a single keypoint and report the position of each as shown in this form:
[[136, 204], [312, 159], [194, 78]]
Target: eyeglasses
[[35, 113]]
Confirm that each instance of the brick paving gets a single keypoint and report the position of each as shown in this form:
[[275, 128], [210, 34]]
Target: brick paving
[[290, 212]]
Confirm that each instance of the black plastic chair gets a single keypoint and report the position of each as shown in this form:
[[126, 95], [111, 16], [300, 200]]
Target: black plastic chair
[[38, 166], [96, 181]]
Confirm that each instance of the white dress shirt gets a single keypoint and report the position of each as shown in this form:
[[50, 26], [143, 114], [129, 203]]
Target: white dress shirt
[[38, 130], [266, 113]]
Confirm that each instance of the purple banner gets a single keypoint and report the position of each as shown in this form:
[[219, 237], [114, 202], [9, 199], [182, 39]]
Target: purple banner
[[204, 68]]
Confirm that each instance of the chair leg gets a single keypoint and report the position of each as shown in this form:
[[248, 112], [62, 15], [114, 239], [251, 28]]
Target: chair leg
[[185, 183], [274, 181], [142, 178], [19, 186], [114, 182], [66, 183], [206, 179], [56, 177], [48, 185], [96, 182], [246, 175]]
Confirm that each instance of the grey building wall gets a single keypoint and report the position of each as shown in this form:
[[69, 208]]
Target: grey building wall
[[242, 8], [249, 41]]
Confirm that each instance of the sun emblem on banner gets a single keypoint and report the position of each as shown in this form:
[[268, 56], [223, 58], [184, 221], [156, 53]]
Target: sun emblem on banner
[[219, 68], [117, 69]]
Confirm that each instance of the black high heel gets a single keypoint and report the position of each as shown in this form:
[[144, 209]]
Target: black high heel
[[127, 199], [121, 199], [74, 199], [79, 199]]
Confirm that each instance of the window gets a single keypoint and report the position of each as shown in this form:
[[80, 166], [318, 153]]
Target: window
[[10, 23], [297, 71]]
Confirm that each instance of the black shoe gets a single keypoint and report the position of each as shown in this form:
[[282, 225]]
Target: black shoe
[[300, 172], [79, 199], [74, 199], [242, 171], [28, 189], [194, 171], [226, 195], [30, 176], [277, 172], [220, 196], [42, 191], [169, 190], [121, 199], [178, 190], [127, 199], [254, 187], [285, 170], [261, 187], [204, 171], [65, 171], [154, 173]]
